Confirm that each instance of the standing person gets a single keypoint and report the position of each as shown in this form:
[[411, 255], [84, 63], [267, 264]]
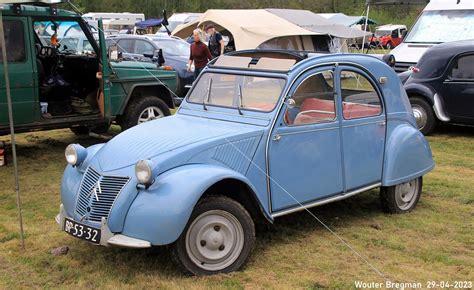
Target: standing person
[[200, 54], [216, 42]]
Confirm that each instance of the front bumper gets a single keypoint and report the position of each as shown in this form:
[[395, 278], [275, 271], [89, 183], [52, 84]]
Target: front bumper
[[107, 237]]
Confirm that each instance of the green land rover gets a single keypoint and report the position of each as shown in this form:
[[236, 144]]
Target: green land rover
[[62, 75]]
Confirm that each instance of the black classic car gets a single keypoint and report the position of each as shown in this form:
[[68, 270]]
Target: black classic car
[[441, 86]]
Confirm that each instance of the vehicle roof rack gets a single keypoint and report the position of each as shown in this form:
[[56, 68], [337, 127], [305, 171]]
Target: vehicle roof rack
[[43, 3]]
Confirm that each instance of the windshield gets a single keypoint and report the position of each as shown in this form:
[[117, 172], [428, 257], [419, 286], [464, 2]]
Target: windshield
[[244, 91], [70, 37], [382, 32], [173, 47], [442, 26]]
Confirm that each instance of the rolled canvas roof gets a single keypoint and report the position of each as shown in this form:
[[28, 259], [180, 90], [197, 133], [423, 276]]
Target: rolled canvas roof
[[252, 27]]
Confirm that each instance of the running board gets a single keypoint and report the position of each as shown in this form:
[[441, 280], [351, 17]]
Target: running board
[[324, 201]]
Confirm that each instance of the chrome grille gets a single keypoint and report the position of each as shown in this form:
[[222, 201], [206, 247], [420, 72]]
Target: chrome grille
[[104, 188]]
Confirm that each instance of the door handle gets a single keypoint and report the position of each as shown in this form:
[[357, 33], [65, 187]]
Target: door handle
[[276, 137]]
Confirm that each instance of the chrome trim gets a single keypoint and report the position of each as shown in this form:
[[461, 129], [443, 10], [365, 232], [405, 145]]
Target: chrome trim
[[324, 201], [439, 110], [311, 130], [365, 123]]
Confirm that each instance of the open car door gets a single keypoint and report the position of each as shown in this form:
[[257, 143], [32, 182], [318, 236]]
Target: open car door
[[103, 95]]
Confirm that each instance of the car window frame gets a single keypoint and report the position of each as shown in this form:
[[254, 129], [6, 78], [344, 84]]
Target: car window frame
[[451, 66], [240, 73], [299, 83], [371, 81]]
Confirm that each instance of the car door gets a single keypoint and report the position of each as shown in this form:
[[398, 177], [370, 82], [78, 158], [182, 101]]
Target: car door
[[304, 151], [22, 76], [458, 88], [363, 128]]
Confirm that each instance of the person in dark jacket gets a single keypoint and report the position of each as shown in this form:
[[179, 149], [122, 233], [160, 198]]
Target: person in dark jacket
[[216, 42], [200, 54]]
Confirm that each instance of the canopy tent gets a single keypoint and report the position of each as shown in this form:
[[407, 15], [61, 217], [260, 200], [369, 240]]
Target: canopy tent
[[149, 23], [346, 20], [251, 28]]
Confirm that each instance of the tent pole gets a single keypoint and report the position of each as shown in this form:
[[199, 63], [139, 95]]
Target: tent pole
[[12, 128], [365, 26]]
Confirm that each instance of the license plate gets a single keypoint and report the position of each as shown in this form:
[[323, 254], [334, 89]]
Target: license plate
[[82, 231]]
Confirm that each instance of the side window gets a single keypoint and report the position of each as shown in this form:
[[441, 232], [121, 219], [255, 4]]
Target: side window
[[142, 47], [314, 101], [15, 41], [125, 45], [359, 97], [463, 68]]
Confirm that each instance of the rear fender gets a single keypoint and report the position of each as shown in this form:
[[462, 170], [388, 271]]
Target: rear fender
[[407, 155], [420, 90], [160, 213]]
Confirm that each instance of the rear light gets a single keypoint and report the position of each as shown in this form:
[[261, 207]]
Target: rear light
[[167, 67], [414, 69]]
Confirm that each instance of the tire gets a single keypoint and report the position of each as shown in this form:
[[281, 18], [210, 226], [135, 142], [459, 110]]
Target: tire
[[389, 45], [221, 232], [401, 198], [136, 111], [424, 115], [80, 130]]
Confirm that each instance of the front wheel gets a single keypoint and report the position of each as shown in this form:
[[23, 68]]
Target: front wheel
[[424, 115], [218, 238], [144, 109], [401, 198], [389, 45]]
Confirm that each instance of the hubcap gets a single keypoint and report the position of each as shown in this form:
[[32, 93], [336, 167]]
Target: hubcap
[[149, 114], [420, 116], [214, 240], [406, 194]]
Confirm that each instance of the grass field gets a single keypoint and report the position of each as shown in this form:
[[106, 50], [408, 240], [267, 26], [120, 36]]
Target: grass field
[[434, 242]]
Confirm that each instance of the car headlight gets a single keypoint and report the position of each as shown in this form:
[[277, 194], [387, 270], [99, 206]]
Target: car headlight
[[75, 154], [144, 171]]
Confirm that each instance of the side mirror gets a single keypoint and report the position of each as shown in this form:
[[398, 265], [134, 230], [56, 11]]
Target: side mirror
[[161, 58], [290, 103], [389, 59], [113, 53]]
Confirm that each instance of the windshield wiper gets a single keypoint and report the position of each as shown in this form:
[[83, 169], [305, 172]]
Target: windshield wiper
[[239, 100], [208, 97]]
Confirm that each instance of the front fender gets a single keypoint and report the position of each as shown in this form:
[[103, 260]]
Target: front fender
[[407, 155], [160, 213]]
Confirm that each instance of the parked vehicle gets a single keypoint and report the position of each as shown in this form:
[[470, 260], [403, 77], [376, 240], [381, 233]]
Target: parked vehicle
[[142, 48], [441, 86], [73, 76], [114, 21], [388, 36], [441, 21], [260, 135]]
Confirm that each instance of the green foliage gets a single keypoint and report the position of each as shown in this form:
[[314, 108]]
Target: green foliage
[[397, 14]]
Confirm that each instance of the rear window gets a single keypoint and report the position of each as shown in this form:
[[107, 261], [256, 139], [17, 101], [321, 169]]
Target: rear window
[[14, 41]]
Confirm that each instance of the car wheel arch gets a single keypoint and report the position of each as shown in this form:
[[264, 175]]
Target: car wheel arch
[[140, 90], [241, 192]]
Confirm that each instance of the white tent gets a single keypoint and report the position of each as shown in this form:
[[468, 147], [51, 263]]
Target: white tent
[[272, 28]]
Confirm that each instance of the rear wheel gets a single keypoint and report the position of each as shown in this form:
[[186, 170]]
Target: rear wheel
[[144, 109], [401, 198], [424, 115], [218, 238]]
